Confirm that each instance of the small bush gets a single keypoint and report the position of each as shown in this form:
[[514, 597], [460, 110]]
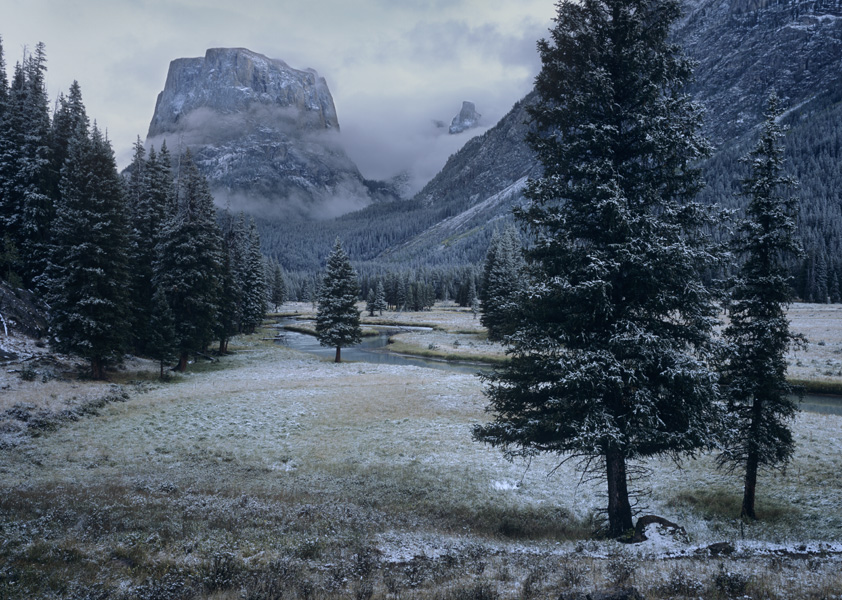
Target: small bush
[[480, 590], [27, 373], [621, 568], [730, 583], [680, 583], [224, 571], [572, 573]]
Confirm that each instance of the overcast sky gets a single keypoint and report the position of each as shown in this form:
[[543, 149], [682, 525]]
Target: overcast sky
[[392, 65]]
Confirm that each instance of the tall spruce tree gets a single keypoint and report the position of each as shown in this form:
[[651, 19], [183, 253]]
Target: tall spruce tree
[[188, 268], [69, 114], [231, 292], [502, 281], [380, 303], [337, 319], [254, 282], [609, 361], [4, 81], [759, 398], [87, 269], [278, 290], [26, 205], [162, 341]]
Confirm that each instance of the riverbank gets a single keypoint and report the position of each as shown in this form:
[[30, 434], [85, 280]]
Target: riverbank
[[455, 333], [275, 474]]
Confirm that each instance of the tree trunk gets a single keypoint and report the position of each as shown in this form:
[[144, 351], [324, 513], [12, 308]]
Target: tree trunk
[[97, 369], [182, 362], [619, 507], [223, 346], [338, 354], [752, 462], [747, 510]]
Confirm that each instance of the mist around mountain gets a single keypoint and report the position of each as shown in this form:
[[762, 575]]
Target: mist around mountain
[[265, 135], [744, 50]]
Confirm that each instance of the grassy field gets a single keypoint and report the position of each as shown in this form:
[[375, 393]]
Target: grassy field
[[272, 474]]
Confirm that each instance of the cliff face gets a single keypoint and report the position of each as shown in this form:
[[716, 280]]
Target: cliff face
[[743, 49], [233, 80], [265, 135], [746, 48]]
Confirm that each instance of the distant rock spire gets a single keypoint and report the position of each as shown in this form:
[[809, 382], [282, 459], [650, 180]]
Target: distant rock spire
[[467, 118]]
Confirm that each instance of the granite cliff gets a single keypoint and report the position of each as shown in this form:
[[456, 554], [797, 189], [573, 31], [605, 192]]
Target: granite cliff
[[266, 135]]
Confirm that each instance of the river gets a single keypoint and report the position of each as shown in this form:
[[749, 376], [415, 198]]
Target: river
[[373, 349]]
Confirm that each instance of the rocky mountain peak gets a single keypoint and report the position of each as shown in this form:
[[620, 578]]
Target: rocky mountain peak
[[467, 118], [264, 134], [232, 80]]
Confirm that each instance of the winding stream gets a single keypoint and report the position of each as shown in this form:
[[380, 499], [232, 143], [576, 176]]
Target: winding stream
[[373, 349]]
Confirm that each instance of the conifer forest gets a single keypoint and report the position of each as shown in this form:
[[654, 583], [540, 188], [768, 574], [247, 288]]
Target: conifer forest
[[596, 356]]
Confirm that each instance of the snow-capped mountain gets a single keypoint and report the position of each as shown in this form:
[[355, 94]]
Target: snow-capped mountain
[[265, 134]]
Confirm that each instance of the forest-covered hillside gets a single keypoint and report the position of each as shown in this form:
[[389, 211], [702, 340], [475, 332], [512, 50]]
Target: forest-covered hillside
[[743, 50]]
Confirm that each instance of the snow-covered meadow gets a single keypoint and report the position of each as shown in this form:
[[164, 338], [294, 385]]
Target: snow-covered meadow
[[277, 471]]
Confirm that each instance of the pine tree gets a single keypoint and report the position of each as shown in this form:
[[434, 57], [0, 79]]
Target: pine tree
[[26, 206], [759, 398], [4, 81], [86, 274], [609, 357], [231, 293], [380, 303], [188, 268], [337, 319], [254, 283], [278, 294], [161, 340], [369, 303], [69, 115], [502, 282]]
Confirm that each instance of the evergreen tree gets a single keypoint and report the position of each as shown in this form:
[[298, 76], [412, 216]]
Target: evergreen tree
[[337, 319], [26, 206], [4, 81], [254, 282], [502, 281], [70, 113], [759, 398], [188, 268], [369, 303], [162, 341], [278, 294], [231, 293], [87, 270], [380, 303], [609, 357]]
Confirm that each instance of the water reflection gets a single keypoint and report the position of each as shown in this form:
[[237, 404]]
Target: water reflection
[[373, 349]]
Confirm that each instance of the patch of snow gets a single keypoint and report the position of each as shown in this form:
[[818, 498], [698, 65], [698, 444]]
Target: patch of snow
[[504, 486]]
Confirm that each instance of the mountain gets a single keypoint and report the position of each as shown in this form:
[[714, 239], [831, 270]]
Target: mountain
[[468, 118], [449, 222], [266, 135], [744, 49]]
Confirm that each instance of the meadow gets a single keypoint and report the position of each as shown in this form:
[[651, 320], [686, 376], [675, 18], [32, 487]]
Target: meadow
[[273, 474]]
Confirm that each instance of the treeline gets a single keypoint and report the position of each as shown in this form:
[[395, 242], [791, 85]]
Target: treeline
[[408, 289], [140, 263], [813, 155]]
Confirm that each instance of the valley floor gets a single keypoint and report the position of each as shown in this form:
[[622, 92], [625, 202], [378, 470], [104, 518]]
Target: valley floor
[[276, 475]]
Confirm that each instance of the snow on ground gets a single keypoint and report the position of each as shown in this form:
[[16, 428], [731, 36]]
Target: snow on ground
[[288, 448]]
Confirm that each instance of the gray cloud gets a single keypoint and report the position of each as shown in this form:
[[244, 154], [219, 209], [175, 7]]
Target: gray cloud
[[391, 66]]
